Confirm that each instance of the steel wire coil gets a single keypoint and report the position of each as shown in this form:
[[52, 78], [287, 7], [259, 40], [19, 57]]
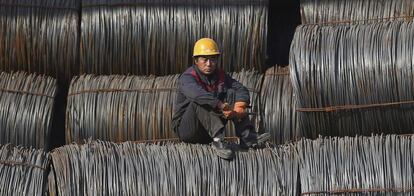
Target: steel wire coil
[[354, 79], [113, 108], [132, 108], [40, 36], [164, 98], [279, 106], [351, 11], [376, 165], [171, 169], [23, 171], [26, 102], [145, 37]]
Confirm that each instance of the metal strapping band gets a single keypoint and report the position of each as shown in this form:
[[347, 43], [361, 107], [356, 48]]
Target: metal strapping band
[[12, 163], [121, 90], [37, 6], [26, 92], [364, 20], [410, 189], [352, 107]]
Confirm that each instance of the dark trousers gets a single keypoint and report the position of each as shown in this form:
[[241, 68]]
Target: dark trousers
[[200, 124]]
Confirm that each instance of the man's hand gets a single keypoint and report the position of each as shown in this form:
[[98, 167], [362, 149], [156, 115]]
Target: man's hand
[[229, 114], [225, 108], [240, 109]]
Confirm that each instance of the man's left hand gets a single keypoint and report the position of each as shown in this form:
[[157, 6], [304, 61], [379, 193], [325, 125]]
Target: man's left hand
[[240, 109]]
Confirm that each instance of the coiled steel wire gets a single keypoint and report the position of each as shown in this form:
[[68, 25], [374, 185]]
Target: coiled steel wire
[[115, 108], [279, 106], [171, 169], [354, 79], [130, 108], [351, 11], [26, 102], [164, 98], [40, 36], [376, 165], [23, 171], [145, 37]]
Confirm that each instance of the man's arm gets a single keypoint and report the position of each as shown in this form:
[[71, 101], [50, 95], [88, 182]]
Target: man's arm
[[242, 93]]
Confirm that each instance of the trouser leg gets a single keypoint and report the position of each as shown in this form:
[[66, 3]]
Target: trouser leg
[[200, 125], [245, 129]]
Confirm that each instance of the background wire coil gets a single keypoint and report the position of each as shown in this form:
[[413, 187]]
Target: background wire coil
[[355, 11], [278, 104], [145, 37], [40, 36], [23, 171], [26, 102], [348, 77]]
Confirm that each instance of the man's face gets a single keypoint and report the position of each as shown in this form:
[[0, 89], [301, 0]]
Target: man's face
[[206, 64]]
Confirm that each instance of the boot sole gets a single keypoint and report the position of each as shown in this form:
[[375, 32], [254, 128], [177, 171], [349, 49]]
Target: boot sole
[[227, 156], [263, 138]]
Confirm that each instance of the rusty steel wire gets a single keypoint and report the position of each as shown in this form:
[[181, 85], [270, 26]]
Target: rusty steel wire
[[355, 11], [279, 106], [376, 165], [130, 108], [23, 171], [252, 80], [354, 79], [164, 98], [40, 36], [145, 37], [26, 102], [113, 108], [171, 169]]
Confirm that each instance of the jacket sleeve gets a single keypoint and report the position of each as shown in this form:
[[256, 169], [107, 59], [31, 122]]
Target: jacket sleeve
[[242, 93], [195, 93]]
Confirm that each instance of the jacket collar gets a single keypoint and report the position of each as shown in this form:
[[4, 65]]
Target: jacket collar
[[212, 79]]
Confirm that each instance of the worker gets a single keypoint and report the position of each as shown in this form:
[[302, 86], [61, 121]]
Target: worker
[[202, 106]]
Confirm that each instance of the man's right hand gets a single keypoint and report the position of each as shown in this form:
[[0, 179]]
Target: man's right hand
[[229, 114], [225, 108]]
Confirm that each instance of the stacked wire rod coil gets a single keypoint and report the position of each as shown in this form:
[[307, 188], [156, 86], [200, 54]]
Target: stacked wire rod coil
[[145, 37], [354, 79], [113, 108], [279, 106], [131, 108], [26, 102], [376, 165], [23, 171], [40, 36], [351, 11], [171, 169]]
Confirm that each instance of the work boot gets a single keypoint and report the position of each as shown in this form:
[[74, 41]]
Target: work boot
[[254, 141], [222, 149]]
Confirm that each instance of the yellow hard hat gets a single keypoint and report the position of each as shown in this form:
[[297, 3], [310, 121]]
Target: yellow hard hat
[[205, 46]]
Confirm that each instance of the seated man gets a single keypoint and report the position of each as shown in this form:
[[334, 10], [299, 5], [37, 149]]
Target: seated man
[[201, 109]]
